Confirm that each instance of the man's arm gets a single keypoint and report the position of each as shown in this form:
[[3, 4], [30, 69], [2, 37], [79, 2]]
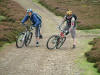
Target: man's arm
[[64, 19], [24, 19], [72, 23]]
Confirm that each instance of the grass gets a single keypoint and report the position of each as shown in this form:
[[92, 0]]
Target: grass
[[88, 27], [6, 44], [92, 31], [94, 54], [36, 1], [2, 18], [87, 67]]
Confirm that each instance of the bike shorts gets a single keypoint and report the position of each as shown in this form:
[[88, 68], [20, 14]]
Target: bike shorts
[[73, 31], [37, 31]]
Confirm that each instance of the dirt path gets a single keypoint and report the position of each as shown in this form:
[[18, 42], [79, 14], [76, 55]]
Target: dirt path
[[41, 61]]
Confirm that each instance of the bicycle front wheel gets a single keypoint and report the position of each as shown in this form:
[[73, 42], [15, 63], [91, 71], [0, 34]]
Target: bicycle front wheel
[[20, 40], [52, 42], [60, 42], [28, 38]]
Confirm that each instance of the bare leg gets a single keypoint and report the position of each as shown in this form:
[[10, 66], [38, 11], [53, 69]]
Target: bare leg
[[74, 41], [37, 39], [37, 33], [73, 33]]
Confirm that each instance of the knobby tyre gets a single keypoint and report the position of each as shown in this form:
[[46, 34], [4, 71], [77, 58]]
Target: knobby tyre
[[52, 42], [20, 40]]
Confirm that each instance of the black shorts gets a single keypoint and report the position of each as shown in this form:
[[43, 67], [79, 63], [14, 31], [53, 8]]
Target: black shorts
[[37, 31], [73, 31]]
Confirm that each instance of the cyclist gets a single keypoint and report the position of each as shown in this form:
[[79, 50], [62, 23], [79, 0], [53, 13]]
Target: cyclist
[[70, 19], [36, 22]]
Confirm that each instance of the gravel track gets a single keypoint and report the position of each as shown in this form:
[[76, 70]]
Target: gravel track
[[41, 61]]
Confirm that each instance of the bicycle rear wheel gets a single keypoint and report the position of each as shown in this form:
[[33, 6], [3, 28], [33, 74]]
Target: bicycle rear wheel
[[52, 42], [28, 38], [20, 40]]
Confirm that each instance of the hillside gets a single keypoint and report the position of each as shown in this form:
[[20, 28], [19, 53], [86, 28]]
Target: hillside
[[94, 55], [10, 15], [88, 11]]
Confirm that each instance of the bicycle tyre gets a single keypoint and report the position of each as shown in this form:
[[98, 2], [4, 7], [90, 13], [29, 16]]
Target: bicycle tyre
[[59, 45], [54, 41], [20, 39], [28, 39]]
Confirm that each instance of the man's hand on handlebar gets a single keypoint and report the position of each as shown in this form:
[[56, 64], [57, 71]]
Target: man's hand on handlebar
[[31, 27], [24, 24], [59, 27]]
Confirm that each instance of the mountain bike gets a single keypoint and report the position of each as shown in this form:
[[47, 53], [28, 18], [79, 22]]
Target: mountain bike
[[24, 38], [56, 41]]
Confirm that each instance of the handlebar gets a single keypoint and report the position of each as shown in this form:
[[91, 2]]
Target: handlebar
[[62, 30], [28, 27], [25, 25]]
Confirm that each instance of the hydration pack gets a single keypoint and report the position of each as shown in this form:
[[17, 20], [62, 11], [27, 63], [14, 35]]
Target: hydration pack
[[38, 16], [73, 15]]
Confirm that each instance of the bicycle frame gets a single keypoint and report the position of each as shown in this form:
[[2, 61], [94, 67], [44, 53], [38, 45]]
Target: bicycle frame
[[20, 42], [28, 29], [63, 33]]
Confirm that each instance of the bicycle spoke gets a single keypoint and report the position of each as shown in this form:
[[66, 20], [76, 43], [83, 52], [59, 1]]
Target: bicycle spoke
[[52, 41], [20, 40]]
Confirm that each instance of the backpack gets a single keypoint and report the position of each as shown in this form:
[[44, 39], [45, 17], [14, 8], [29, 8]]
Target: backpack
[[74, 16], [38, 16]]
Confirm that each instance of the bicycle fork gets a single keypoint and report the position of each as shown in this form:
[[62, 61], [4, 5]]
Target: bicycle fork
[[23, 39]]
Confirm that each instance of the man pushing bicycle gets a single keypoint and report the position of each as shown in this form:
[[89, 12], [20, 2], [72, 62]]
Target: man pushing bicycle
[[36, 22], [70, 19]]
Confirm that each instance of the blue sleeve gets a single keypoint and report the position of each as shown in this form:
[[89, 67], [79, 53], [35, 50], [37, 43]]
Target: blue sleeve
[[25, 19], [37, 21]]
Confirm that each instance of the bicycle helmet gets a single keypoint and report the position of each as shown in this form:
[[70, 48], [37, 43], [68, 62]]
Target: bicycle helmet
[[29, 10], [69, 12]]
